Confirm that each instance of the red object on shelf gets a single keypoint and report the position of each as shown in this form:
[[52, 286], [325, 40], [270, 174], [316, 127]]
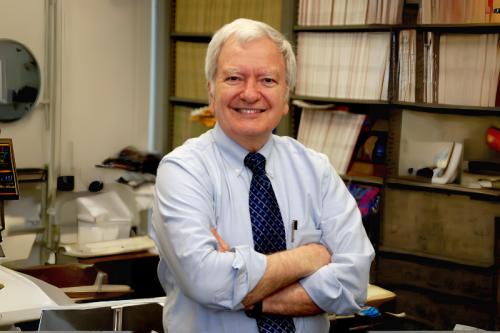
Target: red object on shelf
[[493, 138]]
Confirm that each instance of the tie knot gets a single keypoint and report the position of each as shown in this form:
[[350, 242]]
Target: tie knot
[[256, 163]]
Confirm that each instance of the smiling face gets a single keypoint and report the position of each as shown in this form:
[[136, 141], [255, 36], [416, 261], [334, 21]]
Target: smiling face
[[248, 96]]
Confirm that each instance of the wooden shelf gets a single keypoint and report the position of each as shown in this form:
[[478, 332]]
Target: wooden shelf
[[188, 101], [367, 180], [192, 36], [119, 257], [31, 175], [344, 28], [449, 109], [446, 28], [423, 184], [457, 28], [423, 107], [339, 100]]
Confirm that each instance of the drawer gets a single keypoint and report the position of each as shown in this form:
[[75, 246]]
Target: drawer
[[443, 226], [450, 279]]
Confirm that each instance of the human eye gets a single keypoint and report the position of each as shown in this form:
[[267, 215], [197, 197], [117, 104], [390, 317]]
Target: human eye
[[269, 81], [232, 79]]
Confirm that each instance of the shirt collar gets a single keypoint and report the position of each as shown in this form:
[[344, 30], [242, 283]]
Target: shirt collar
[[234, 154]]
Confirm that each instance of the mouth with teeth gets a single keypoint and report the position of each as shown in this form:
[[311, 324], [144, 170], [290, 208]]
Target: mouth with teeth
[[249, 111]]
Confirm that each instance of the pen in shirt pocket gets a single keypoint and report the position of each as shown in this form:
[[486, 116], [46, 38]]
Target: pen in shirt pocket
[[294, 228]]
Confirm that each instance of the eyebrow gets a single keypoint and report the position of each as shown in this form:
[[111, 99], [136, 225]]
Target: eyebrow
[[264, 72], [229, 71]]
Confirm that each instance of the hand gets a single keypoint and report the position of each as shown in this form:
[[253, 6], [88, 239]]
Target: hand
[[223, 246]]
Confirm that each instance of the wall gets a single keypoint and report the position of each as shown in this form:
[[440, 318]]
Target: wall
[[104, 84], [96, 53], [24, 21]]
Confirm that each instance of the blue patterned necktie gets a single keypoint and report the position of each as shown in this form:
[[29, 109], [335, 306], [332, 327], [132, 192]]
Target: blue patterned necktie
[[268, 230]]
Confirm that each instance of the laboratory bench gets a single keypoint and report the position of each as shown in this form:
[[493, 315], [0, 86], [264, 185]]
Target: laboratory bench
[[121, 276]]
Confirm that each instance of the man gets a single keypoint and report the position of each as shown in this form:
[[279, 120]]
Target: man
[[256, 232]]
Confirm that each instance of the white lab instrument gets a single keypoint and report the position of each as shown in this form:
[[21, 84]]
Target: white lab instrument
[[103, 217], [24, 296], [93, 224]]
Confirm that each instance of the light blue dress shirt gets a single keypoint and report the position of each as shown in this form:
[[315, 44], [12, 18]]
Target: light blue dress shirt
[[204, 183]]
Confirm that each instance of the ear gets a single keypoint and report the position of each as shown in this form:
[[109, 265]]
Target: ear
[[286, 108], [211, 97], [209, 89]]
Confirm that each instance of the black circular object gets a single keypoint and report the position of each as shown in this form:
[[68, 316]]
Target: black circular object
[[96, 186]]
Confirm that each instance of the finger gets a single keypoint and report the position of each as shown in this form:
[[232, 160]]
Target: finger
[[223, 247]]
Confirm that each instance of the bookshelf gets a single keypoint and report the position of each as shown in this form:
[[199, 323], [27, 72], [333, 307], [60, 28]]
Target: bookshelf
[[435, 287], [393, 102], [438, 246]]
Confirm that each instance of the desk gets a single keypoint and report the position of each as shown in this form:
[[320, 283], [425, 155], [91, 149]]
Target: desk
[[125, 276], [79, 282], [376, 297], [136, 269]]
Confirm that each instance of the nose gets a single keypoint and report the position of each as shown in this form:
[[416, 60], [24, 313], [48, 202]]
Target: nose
[[250, 93]]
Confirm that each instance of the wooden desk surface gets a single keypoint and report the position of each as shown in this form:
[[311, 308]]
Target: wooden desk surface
[[119, 257]]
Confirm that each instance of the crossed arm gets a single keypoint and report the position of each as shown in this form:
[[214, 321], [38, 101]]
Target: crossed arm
[[301, 281], [278, 288]]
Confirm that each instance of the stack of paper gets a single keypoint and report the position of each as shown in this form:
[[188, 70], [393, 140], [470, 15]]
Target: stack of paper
[[331, 132], [343, 65], [406, 65], [455, 11], [430, 59], [458, 69], [341, 12], [469, 66]]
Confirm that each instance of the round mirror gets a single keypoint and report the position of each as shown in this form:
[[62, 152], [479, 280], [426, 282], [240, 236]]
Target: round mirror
[[19, 80]]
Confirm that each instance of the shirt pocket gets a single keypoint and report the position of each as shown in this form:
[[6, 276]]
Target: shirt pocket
[[302, 236]]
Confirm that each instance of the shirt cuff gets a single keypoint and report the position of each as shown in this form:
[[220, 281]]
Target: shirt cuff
[[328, 293], [249, 266]]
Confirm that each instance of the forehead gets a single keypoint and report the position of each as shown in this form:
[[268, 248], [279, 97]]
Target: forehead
[[261, 52]]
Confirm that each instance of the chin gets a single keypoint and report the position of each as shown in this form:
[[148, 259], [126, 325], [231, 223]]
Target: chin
[[251, 132]]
